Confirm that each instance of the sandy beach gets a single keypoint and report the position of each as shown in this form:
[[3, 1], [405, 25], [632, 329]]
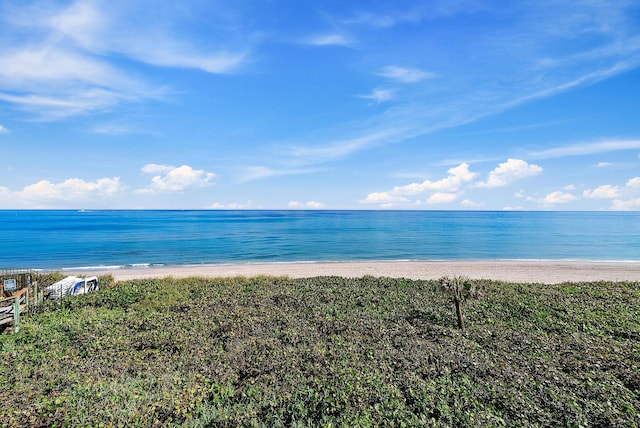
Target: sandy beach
[[547, 272]]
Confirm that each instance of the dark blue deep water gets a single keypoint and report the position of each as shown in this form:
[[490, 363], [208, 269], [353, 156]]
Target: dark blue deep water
[[64, 239]]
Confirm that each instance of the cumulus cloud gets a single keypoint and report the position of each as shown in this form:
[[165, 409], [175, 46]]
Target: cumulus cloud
[[456, 178], [510, 171], [72, 189], [154, 168], [406, 74], [634, 183], [45, 193], [445, 190], [442, 198], [305, 205], [175, 179], [624, 197], [558, 198], [605, 192], [626, 205]]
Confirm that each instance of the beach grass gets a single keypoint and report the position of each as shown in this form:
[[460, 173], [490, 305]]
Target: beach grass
[[326, 351]]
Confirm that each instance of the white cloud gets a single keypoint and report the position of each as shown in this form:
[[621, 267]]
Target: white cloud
[[175, 179], [510, 171], [445, 190], [405, 74], [46, 194], [626, 205], [603, 164], [31, 66], [343, 147], [558, 198], [62, 105], [330, 40], [625, 197], [305, 205], [383, 197], [600, 43], [65, 67], [467, 203], [634, 183], [71, 189], [587, 148], [101, 27], [251, 173], [115, 129], [154, 168], [3, 130], [379, 95], [604, 192], [234, 206], [442, 198], [456, 178]]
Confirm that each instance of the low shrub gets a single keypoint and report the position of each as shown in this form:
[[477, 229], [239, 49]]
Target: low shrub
[[326, 351]]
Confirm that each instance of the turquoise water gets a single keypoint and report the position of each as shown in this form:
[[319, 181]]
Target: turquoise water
[[72, 239]]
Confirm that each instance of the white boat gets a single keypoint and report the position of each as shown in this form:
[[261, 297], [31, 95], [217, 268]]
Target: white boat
[[71, 286]]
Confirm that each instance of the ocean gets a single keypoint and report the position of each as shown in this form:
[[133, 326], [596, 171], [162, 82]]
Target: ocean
[[89, 239]]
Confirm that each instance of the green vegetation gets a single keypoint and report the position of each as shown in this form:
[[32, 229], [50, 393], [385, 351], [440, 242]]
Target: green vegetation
[[460, 288], [326, 351]]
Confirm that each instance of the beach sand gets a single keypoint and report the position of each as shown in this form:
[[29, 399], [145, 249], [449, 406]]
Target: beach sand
[[547, 272]]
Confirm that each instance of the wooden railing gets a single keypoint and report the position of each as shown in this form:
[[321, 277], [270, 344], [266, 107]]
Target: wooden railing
[[18, 304]]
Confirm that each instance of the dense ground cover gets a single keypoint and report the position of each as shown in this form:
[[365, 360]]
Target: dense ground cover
[[326, 351]]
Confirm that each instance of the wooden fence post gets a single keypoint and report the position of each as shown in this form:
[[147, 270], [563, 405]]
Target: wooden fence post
[[35, 293], [16, 314]]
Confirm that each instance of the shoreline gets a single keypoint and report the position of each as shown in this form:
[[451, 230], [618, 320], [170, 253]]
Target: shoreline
[[520, 271]]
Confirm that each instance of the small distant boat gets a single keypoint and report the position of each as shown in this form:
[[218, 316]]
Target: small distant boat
[[71, 286]]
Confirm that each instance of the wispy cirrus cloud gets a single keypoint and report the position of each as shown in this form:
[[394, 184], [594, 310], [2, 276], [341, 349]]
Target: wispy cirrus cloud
[[102, 27], [63, 60], [329, 40], [251, 173], [379, 95], [586, 148], [406, 74], [603, 42], [387, 15], [3, 130]]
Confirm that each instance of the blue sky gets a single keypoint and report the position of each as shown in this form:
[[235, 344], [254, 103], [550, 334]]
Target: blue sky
[[260, 104]]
